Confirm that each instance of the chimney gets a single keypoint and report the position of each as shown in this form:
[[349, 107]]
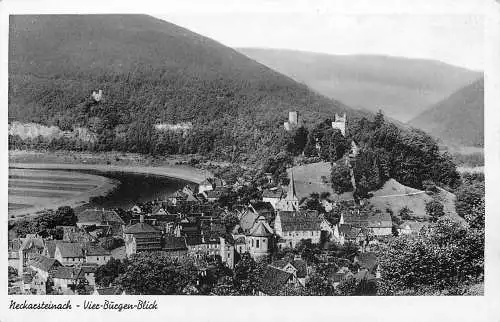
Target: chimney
[[141, 219]]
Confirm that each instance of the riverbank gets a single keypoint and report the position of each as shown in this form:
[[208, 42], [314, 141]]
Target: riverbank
[[102, 162], [170, 166], [34, 191], [177, 172]]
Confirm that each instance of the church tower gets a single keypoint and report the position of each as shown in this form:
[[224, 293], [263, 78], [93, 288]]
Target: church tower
[[290, 202]]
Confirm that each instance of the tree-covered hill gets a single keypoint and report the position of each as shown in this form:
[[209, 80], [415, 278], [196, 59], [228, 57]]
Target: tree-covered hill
[[459, 119], [150, 71], [154, 72]]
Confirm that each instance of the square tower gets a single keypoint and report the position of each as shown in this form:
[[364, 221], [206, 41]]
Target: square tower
[[97, 96], [293, 120], [339, 122]]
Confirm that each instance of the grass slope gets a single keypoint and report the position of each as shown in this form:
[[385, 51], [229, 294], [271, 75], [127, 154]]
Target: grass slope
[[307, 178], [392, 195], [459, 119], [395, 196], [401, 87]]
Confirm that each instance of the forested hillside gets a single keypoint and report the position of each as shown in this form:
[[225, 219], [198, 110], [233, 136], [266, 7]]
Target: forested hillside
[[384, 151], [459, 119], [154, 72], [150, 72]]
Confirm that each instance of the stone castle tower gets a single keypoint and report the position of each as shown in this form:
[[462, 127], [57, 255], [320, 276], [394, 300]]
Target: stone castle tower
[[97, 96], [293, 121], [339, 122]]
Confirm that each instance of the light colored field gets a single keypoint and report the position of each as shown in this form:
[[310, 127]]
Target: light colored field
[[465, 149], [40, 192], [47, 178], [308, 178], [470, 169], [31, 191], [393, 195], [16, 184]]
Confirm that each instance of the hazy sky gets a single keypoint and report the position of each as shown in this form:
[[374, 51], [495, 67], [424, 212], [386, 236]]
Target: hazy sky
[[456, 39]]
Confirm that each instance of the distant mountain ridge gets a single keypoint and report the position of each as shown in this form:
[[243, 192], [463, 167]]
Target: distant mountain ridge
[[458, 119], [402, 87]]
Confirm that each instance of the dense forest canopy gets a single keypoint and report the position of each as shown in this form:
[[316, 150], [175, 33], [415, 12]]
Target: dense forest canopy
[[150, 72], [384, 151], [408, 155]]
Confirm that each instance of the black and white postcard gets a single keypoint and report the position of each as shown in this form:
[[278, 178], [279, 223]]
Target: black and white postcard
[[231, 160]]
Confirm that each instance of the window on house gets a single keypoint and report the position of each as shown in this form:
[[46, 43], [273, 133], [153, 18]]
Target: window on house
[[257, 243]]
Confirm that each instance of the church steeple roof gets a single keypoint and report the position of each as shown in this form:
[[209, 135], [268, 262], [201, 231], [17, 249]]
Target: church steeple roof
[[290, 202], [291, 194]]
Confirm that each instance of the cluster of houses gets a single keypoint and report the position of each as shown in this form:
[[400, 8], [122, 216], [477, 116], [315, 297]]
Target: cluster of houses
[[67, 262], [293, 273], [190, 223]]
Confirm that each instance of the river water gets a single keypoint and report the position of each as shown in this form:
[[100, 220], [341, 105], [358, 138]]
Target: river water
[[32, 190], [134, 187]]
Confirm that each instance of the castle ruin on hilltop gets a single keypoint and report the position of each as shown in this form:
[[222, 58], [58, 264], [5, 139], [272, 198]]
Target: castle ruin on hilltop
[[293, 121], [339, 122], [96, 96]]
